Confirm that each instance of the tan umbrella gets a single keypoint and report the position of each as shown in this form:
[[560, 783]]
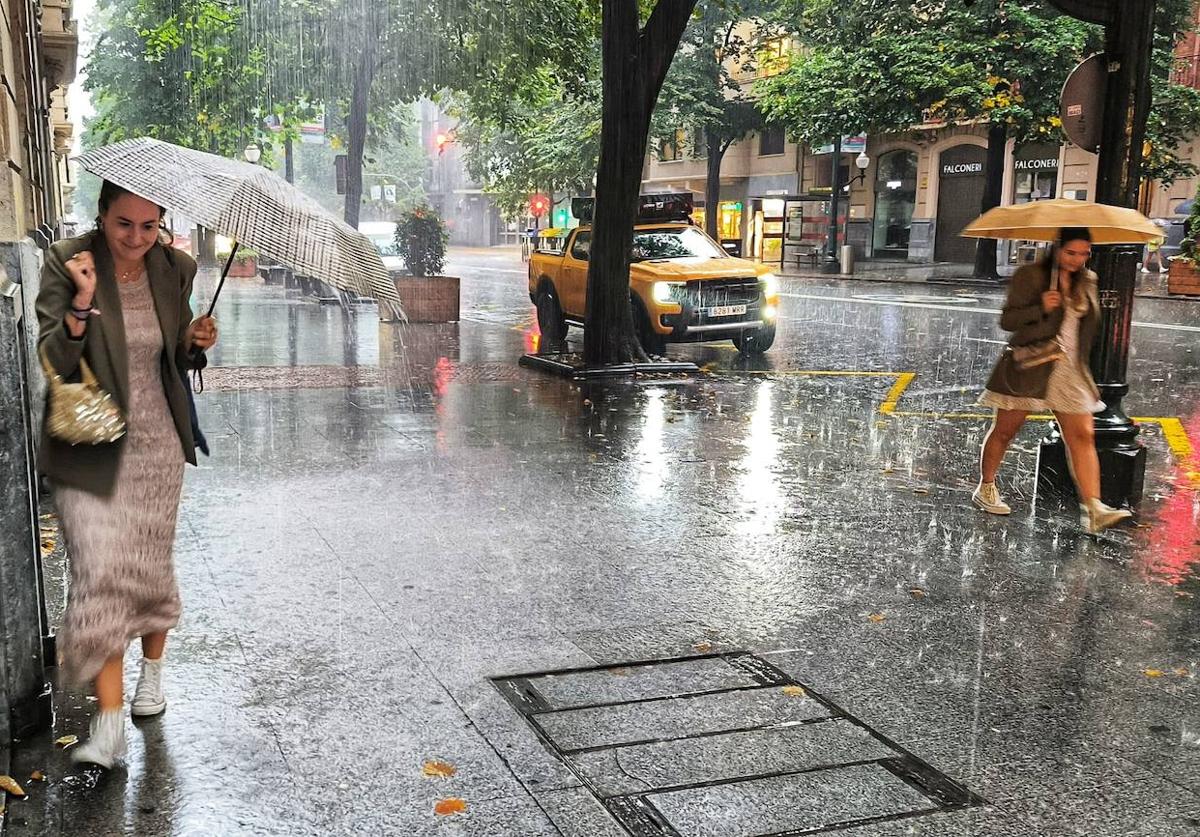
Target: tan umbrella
[[1042, 220]]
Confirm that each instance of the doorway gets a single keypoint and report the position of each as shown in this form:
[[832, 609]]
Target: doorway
[[960, 196]]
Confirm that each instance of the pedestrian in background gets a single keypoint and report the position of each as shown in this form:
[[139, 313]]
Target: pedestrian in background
[[1154, 249], [119, 298], [1053, 312]]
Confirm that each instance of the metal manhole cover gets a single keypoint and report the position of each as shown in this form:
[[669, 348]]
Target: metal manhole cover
[[715, 744]]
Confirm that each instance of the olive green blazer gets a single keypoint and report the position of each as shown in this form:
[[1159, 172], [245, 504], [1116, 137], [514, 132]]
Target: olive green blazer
[[94, 467], [1024, 317]]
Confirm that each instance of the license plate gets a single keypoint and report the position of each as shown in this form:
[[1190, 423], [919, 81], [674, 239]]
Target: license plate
[[727, 310]]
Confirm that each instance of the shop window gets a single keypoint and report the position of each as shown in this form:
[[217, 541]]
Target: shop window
[[895, 200], [771, 141], [823, 174], [673, 147]]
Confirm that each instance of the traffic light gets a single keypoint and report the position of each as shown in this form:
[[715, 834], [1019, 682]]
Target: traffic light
[[442, 139], [539, 205], [562, 217]]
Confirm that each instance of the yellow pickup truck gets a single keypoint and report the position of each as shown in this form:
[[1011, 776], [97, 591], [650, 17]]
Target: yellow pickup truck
[[682, 285]]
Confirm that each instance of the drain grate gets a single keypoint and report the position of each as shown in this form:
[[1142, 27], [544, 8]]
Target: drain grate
[[717, 744]]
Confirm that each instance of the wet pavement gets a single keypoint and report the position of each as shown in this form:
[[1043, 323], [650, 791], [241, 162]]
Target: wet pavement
[[752, 601]]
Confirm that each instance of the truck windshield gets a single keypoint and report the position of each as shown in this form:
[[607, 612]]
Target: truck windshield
[[674, 243]]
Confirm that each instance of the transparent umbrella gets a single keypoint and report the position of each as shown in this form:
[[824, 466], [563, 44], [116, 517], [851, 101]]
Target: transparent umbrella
[[253, 206]]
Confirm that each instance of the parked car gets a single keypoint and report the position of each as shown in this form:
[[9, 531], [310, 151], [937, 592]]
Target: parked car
[[683, 286], [1176, 229], [383, 235]]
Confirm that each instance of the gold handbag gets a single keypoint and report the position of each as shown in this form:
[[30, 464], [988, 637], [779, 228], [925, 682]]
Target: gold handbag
[[82, 413]]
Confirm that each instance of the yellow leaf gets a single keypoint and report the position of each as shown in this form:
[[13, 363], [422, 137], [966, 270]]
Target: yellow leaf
[[917, 593], [446, 807], [1152, 672], [795, 691], [37, 776], [877, 617], [67, 740], [438, 769], [703, 647], [7, 783]]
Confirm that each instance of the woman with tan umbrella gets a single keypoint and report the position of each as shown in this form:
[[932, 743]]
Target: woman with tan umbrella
[[1053, 312]]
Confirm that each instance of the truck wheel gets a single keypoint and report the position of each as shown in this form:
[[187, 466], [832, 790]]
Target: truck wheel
[[652, 342], [755, 342], [550, 317]]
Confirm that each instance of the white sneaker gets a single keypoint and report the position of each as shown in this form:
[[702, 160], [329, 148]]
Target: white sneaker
[[988, 498], [148, 698], [1095, 517], [106, 740]]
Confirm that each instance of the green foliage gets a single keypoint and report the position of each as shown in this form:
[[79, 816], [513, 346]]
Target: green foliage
[[421, 240], [177, 71], [870, 66], [701, 93], [1187, 247]]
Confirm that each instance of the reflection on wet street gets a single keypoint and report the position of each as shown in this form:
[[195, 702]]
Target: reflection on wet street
[[394, 514]]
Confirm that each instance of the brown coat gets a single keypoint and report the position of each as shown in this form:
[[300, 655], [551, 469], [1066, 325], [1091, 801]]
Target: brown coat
[[94, 467], [1024, 317]]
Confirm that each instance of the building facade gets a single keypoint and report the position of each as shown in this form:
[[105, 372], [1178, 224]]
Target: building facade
[[918, 188]]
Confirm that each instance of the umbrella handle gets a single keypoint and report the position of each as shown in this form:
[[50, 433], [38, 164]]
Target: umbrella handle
[[221, 283]]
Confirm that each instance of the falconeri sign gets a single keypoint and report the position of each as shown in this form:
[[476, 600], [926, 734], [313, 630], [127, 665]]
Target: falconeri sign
[[1037, 165], [961, 169]]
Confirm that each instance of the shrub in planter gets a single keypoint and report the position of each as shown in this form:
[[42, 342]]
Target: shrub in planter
[[421, 240], [427, 296]]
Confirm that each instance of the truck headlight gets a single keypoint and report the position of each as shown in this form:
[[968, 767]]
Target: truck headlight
[[663, 291], [770, 285]]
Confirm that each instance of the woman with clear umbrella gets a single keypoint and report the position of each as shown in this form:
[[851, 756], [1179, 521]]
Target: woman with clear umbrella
[[117, 302], [1053, 312]]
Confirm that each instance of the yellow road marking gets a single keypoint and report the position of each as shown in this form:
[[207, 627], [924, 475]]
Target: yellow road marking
[[890, 400], [1173, 430]]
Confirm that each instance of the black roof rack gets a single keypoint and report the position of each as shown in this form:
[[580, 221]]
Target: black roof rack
[[662, 206]]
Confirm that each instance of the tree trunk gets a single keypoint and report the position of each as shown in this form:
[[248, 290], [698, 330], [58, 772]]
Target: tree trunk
[[206, 246], [712, 185], [356, 129], [993, 186], [635, 64], [289, 161]]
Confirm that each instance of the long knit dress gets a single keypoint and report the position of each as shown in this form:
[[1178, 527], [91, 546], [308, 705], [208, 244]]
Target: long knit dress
[[120, 547]]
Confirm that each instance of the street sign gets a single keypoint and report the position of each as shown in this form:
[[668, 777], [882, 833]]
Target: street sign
[[1082, 102], [850, 145], [389, 192]]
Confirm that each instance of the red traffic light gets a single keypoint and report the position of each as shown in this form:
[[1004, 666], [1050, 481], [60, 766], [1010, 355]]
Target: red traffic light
[[539, 205]]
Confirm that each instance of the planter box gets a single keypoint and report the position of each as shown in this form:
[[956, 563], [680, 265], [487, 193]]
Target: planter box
[[1183, 278], [244, 269], [428, 299]]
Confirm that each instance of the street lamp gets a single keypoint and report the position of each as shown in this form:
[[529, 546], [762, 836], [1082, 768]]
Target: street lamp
[[252, 153], [862, 162]]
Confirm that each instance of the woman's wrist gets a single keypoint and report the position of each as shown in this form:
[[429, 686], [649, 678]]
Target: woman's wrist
[[81, 303]]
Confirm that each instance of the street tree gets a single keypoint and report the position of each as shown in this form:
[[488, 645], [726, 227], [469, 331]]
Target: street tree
[[636, 55], [701, 94], [550, 143]]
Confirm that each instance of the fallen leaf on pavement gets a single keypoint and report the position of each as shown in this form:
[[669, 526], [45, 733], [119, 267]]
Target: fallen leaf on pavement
[[37, 776], [795, 691], [877, 617], [438, 769], [1152, 672], [920, 491], [1182, 672], [703, 647], [67, 740], [446, 807], [8, 783], [917, 593]]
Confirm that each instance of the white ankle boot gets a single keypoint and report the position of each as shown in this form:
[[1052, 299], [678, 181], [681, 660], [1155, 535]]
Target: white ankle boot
[[148, 698], [106, 740], [1095, 517]]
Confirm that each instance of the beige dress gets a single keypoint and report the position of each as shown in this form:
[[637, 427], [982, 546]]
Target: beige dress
[[1067, 391], [120, 547]]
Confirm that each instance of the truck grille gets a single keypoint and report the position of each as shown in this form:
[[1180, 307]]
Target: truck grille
[[710, 294]]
